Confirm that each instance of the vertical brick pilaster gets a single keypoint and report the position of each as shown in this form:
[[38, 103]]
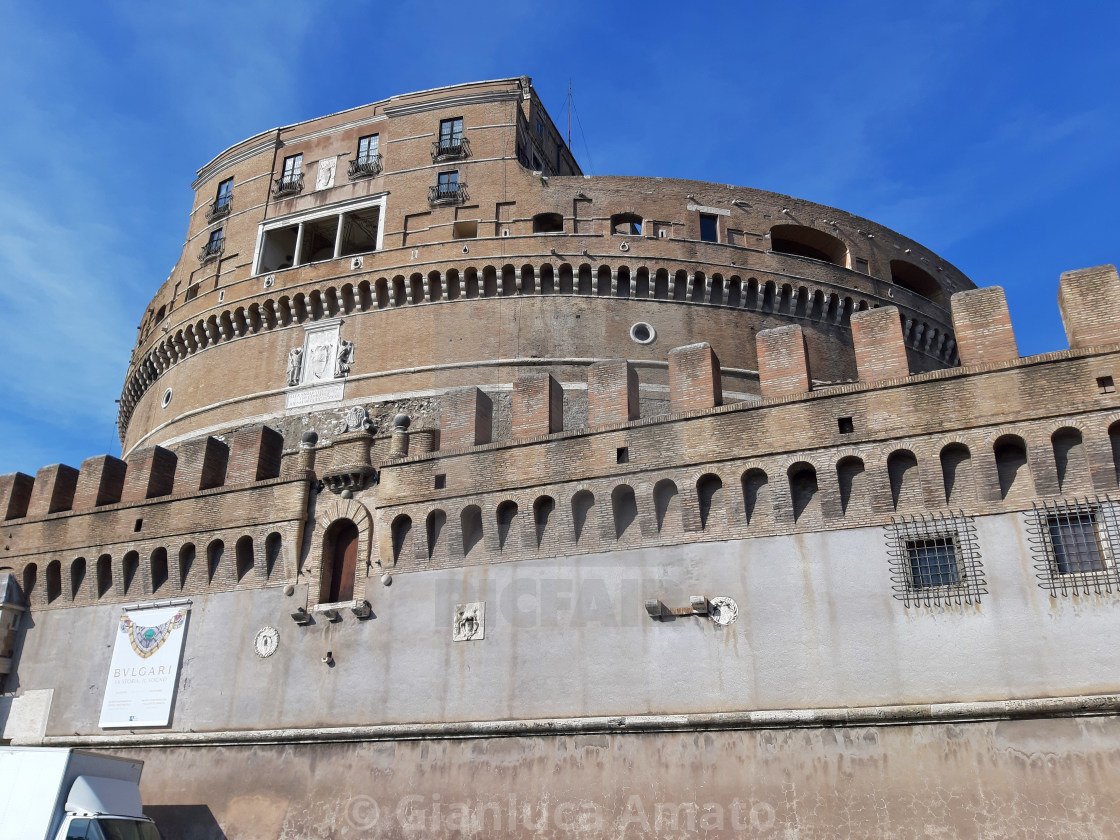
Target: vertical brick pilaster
[[466, 418], [53, 491], [1089, 300], [982, 325], [538, 406], [151, 473], [783, 366], [612, 393], [202, 465], [255, 455], [15, 494], [880, 349], [100, 482], [694, 378]]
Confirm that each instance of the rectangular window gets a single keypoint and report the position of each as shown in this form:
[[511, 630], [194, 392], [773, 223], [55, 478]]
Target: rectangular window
[[1072, 542], [1077, 547], [293, 166], [451, 132], [935, 560], [465, 229], [367, 148], [540, 128], [448, 184], [709, 228], [225, 193]]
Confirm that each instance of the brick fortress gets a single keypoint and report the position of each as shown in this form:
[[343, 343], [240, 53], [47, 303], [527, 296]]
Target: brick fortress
[[582, 507]]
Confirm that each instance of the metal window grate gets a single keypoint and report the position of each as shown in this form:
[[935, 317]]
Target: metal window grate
[[935, 560], [1073, 545]]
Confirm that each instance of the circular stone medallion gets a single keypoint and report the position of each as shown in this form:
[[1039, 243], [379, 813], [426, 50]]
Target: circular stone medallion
[[266, 642], [723, 610]]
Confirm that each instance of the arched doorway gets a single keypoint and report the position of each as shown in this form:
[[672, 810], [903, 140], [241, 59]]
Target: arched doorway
[[340, 562]]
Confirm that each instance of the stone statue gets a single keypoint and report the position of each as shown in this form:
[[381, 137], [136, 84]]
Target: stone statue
[[345, 357], [295, 365]]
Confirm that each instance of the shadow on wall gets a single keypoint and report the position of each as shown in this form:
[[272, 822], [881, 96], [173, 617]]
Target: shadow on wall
[[185, 822]]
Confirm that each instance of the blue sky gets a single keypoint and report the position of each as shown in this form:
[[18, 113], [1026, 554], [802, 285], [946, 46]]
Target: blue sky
[[988, 131]]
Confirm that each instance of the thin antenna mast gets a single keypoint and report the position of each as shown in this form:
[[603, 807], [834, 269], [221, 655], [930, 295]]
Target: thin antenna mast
[[569, 113]]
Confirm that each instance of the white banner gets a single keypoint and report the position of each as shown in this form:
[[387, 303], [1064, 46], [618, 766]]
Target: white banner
[[145, 667]]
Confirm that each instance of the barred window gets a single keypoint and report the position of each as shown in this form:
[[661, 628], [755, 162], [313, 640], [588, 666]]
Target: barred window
[[935, 560], [1072, 542]]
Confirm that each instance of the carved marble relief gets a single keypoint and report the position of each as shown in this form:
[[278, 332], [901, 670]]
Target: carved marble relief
[[470, 622]]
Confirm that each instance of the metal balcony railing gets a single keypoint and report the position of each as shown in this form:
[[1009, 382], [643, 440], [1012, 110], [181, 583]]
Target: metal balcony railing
[[288, 185], [450, 148], [365, 167], [219, 209], [447, 193], [212, 249]]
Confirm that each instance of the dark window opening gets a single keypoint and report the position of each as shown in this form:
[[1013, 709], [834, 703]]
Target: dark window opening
[[1076, 542], [441, 481], [1104, 383], [225, 194], [318, 240], [359, 232], [139, 524], [465, 229], [709, 228], [367, 148], [846, 425], [622, 455], [933, 562], [914, 279], [342, 555], [278, 251], [626, 224], [808, 242], [548, 223]]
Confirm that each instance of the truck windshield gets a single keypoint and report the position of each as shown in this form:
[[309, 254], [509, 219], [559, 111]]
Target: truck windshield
[[111, 829]]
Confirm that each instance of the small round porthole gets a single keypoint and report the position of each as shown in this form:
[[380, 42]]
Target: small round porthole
[[643, 333], [166, 399]]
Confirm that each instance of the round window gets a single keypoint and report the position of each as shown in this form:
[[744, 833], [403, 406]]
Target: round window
[[166, 398], [643, 333]]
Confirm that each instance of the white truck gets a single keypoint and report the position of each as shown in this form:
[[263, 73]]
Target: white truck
[[51, 793]]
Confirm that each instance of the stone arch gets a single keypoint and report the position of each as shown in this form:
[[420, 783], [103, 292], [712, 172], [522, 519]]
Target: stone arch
[[77, 578], [902, 470], [435, 528], [54, 581], [851, 475], [803, 241], [187, 554], [104, 580], [1012, 467], [506, 515], [583, 506], [710, 498], [803, 489], [158, 569], [340, 574], [667, 506], [956, 472], [356, 512], [130, 574], [1070, 459], [917, 280], [244, 559], [756, 495]]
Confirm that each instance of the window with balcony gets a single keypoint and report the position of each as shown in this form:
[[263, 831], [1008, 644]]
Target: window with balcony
[[291, 179], [448, 188], [214, 246], [223, 201], [368, 161], [451, 143]]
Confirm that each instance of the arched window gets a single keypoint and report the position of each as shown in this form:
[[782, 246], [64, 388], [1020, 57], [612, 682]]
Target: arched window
[[243, 553], [507, 516], [756, 495], [917, 280], [471, 522], [1114, 440], [402, 536], [548, 223], [214, 553], [1011, 466], [104, 575], [273, 549], [667, 506], [582, 504], [340, 560], [956, 471], [709, 493], [542, 513], [625, 508], [130, 565], [77, 577], [808, 242], [30, 581], [902, 469], [852, 478], [158, 567], [54, 580], [803, 490], [626, 224], [1069, 457], [434, 526], [186, 563]]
